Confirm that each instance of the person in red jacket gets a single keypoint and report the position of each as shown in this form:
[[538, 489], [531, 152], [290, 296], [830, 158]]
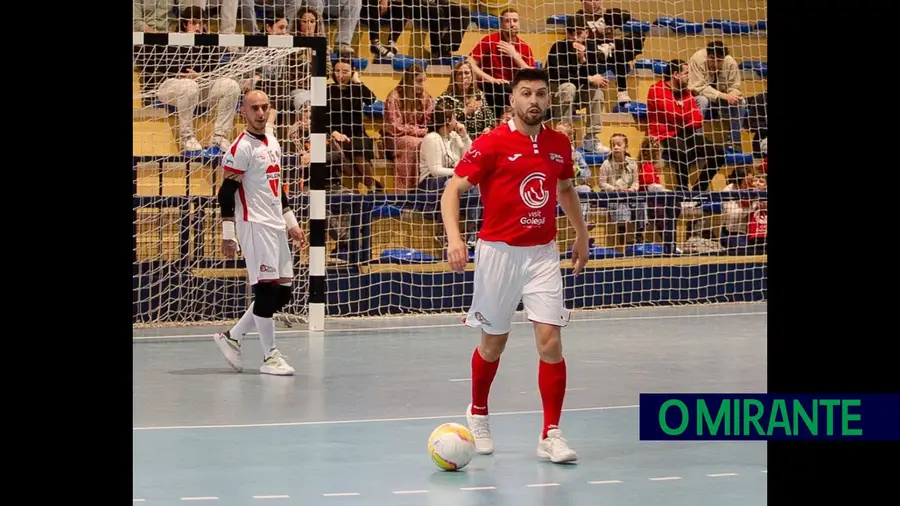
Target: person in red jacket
[[675, 120]]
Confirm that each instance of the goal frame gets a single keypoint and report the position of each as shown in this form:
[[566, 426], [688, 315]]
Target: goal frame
[[318, 139]]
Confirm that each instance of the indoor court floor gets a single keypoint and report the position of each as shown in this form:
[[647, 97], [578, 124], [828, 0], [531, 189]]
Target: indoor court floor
[[351, 427]]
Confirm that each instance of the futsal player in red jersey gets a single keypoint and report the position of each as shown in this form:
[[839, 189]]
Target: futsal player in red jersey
[[522, 169]]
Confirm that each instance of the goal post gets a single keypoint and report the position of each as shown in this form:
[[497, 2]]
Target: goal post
[[182, 125]]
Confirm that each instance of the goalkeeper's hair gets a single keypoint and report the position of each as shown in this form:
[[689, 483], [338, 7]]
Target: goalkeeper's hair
[[530, 75]]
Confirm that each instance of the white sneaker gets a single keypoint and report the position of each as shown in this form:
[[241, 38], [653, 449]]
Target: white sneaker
[[622, 97], [191, 144], [220, 142], [277, 365], [231, 348], [555, 448], [480, 427]]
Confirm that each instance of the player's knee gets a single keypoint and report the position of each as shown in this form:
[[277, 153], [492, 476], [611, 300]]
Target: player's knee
[[492, 346], [549, 342], [266, 302], [285, 295]]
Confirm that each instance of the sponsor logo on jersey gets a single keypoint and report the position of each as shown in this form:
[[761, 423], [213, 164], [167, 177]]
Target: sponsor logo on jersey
[[532, 190]]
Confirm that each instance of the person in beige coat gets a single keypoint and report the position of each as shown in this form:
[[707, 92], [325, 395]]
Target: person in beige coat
[[715, 80]]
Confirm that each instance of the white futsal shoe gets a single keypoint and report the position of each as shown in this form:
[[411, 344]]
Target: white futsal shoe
[[555, 448], [480, 427], [276, 365], [231, 349]]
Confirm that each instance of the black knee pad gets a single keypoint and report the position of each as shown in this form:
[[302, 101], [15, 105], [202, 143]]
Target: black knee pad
[[266, 302], [285, 295]]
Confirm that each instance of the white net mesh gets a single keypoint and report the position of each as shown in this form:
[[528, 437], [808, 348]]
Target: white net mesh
[[652, 241]]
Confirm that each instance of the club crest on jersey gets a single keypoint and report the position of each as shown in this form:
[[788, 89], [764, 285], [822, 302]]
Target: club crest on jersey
[[556, 157], [532, 190]]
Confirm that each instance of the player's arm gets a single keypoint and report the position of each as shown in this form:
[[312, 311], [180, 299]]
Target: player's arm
[[455, 187], [234, 166], [290, 221]]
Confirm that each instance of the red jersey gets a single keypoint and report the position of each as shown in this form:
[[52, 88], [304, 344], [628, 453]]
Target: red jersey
[[665, 113], [497, 64], [517, 176]]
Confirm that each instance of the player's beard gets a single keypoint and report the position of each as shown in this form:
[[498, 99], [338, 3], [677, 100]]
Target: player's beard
[[532, 117]]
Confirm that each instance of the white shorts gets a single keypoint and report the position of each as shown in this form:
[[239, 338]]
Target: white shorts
[[505, 275], [266, 252]]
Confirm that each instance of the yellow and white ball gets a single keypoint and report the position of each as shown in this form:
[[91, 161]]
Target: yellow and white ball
[[451, 446]]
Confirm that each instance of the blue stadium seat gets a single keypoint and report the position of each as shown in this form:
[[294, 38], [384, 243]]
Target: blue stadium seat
[[714, 23], [386, 211], [401, 62], [593, 158], [637, 109], [645, 249], [486, 21], [635, 26], [679, 25], [450, 62], [657, 65], [405, 255], [557, 19], [732, 158], [595, 252], [760, 25], [735, 27], [760, 67], [375, 109], [711, 207], [356, 63]]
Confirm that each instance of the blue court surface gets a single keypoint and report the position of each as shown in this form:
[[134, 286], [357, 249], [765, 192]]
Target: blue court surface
[[351, 427]]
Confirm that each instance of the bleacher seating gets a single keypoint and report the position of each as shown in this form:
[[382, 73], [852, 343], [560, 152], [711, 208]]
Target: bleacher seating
[[402, 235]]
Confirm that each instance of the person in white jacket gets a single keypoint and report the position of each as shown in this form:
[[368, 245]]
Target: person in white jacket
[[441, 149]]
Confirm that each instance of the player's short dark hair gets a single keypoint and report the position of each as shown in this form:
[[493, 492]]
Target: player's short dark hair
[[530, 75], [717, 49]]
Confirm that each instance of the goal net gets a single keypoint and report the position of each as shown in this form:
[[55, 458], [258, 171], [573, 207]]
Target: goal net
[[187, 91], [681, 219]]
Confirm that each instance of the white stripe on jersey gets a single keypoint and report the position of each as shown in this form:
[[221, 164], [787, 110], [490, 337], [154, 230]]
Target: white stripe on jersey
[[259, 196]]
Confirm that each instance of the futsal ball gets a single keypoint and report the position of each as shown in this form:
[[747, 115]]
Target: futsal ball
[[451, 446]]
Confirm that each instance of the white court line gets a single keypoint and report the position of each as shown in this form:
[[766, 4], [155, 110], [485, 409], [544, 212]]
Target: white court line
[[666, 478], [461, 379], [448, 325], [721, 475], [271, 497], [211, 498], [536, 485], [372, 420], [138, 500], [765, 471], [604, 482], [475, 489], [401, 492], [341, 494]]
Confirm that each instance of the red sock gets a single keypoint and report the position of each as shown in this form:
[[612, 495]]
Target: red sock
[[483, 373], [552, 383]]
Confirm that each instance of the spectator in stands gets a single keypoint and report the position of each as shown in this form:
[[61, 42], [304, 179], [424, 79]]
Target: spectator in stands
[[470, 103], [407, 111], [442, 147], [506, 115], [179, 67], [746, 219], [576, 79], [620, 173], [444, 20], [582, 169], [347, 14], [674, 119], [716, 81], [650, 160], [347, 96], [151, 16], [757, 122], [497, 56], [615, 52]]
